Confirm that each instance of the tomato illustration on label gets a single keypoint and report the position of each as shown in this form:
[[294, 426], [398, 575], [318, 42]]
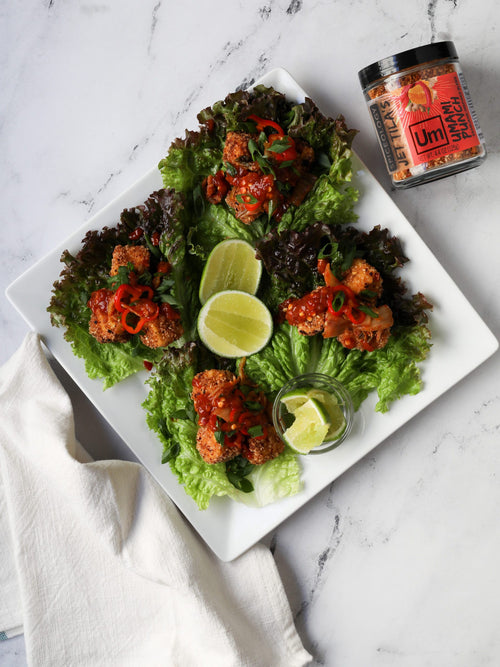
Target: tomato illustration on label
[[417, 96]]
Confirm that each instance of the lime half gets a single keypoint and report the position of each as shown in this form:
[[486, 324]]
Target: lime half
[[234, 324], [231, 265], [309, 428]]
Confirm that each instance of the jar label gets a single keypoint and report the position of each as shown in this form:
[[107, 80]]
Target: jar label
[[423, 121]]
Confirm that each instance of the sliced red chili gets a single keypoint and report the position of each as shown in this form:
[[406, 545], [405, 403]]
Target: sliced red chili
[[354, 315], [264, 122], [339, 304], [145, 309], [123, 291], [133, 292], [128, 327], [142, 307], [253, 206], [286, 155]]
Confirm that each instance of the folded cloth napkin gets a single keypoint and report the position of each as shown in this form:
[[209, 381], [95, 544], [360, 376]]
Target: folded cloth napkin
[[99, 567]]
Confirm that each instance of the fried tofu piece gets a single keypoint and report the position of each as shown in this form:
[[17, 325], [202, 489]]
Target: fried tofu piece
[[308, 320], [163, 330], [137, 255], [259, 450], [312, 325], [362, 276], [105, 321], [210, 385], [236, 151], [212, 451], [240, 210]]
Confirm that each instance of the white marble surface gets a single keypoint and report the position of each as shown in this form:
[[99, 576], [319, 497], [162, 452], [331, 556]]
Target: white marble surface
[[396, 563]]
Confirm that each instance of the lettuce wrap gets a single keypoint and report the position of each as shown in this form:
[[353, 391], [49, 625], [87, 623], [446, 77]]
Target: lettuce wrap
[[188, 227]]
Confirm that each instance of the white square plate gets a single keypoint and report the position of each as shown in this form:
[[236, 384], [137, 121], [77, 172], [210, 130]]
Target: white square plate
[[230, 528]]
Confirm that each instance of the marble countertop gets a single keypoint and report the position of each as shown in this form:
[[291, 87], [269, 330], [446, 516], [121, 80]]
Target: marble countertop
[[396, 562]]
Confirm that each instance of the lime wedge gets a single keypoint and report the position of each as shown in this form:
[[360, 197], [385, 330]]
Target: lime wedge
[[295, 398], [234, 324], [309, 428], [335, 414], [231, 265]]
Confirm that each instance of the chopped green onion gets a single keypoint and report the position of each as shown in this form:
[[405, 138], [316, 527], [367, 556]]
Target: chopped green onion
[[255, 431], [368, 311]]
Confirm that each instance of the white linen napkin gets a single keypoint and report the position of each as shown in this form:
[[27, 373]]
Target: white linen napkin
[[98, 565]]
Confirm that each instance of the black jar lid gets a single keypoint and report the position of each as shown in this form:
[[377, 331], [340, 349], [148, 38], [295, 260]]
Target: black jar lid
[[409, 58]]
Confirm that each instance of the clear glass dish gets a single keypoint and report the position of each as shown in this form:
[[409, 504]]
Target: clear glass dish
[[282, 418]]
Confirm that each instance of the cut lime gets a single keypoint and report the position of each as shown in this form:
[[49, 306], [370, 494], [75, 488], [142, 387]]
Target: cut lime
[[234, 324], [295, 398], [335, 414], [309, 428], [231, 265]]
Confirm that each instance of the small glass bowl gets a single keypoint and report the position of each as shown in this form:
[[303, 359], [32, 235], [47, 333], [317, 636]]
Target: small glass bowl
[[282, 419]]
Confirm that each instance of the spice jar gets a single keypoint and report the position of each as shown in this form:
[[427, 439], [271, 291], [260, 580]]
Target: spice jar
[[423, 115]]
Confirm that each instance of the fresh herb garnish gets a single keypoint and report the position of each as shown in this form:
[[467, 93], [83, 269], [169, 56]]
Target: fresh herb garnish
[[237, 471]]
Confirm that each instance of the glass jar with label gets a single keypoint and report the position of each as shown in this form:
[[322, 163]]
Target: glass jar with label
[[423, 115]]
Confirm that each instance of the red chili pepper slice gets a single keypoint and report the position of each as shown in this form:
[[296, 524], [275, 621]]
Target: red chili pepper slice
[[245, 416], [134, 293], [263, 122], [142, 307], [253, 207], [349, 297], [145, 309], [132, 329], [286, 155], [354, 315], [123, 291]]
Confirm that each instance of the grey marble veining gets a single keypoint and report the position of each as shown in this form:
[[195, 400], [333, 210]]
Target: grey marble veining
[[395, 563]]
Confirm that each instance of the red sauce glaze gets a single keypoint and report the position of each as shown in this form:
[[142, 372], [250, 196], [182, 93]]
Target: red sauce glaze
[[99, 300], [255, 184], [170, 312], [221, 183], [308, 306]]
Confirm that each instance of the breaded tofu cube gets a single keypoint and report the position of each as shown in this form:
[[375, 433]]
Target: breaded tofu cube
[[239, 208], [362, 276], [212, 451], [163, 330], [236, 151], [138, 255], [262, 449], [105, 321], [312, 325], [209, 383]]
